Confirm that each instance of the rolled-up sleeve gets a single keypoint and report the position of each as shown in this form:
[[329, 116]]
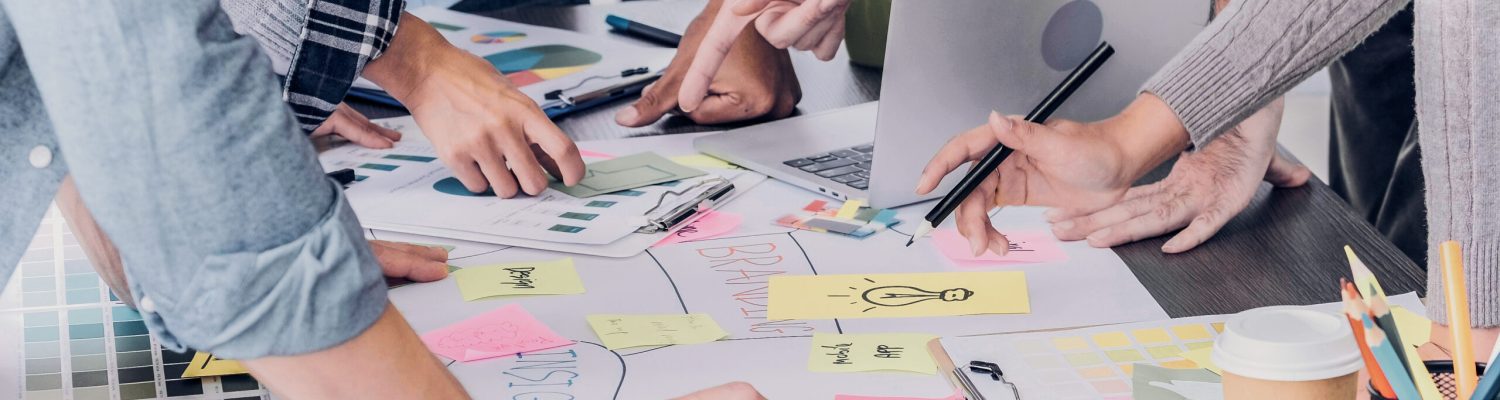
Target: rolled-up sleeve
[[173, 128], [320, 45]]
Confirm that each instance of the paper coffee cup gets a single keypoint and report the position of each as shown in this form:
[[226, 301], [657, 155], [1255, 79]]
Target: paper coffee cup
[[1287, 353]]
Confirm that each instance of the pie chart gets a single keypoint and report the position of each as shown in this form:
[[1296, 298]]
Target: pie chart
[[540, 63], [452, 186], [497, 37]]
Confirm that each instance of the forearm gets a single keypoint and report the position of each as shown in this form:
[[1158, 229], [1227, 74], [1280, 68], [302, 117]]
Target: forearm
[[1255, 51], [389, 358], [414, 51]]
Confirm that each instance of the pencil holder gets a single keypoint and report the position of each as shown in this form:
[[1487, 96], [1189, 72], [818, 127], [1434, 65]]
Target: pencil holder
[[1442, 374]]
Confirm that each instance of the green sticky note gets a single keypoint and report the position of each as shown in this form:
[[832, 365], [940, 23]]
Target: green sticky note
[[871, 352], [622, 331], [629, 172], [521, 278]]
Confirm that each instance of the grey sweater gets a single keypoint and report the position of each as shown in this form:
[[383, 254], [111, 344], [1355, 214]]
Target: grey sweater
[[276, 24], [1258, 49]]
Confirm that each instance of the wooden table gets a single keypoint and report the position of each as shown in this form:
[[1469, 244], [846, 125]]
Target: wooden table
[[1285, 248]]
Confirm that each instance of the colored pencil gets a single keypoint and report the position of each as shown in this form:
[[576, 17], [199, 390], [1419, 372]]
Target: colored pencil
[[1387, 322], [1355, 312], [1365, 281], [1457, 294], [1489, 386], [1385, 355]]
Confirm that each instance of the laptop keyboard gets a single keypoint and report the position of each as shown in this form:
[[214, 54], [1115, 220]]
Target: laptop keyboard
[[850, 166]]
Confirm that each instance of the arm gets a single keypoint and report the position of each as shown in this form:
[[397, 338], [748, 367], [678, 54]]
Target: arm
[[233, 240]]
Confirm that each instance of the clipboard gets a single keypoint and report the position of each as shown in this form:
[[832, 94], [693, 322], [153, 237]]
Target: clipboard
[[974, 384], [671, 214], [582, 100]]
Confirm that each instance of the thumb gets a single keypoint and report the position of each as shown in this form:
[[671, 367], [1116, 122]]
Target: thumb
[[655, 101], [710, 56], [1014, 131], [1286, 173], [749, 7]]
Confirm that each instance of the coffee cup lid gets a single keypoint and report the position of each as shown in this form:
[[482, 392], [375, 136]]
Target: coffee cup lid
[[1286, 343]]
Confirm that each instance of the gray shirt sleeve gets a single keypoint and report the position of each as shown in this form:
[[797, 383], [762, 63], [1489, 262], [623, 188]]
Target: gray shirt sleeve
[[1256, 50], [172, 126], [276, 24]]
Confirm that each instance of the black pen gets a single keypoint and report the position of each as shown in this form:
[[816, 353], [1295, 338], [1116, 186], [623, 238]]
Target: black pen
[[620, 24], [998, 154]]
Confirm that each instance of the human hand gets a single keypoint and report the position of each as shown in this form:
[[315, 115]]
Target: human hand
[[485, 130], [756, 81], [413, 262], [1204, 190], [728, 391], [816, 25], [349, 124]]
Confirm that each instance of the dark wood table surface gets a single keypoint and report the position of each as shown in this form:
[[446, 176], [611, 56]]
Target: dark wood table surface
[[1285, 248]]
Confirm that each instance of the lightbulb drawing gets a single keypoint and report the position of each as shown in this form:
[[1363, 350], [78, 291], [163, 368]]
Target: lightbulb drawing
[[904, 295]]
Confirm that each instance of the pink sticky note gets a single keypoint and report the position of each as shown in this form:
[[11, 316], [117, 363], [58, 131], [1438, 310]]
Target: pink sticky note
[[957, 395], [714, 224], [1025, 247], [594, 154], [503, 332]]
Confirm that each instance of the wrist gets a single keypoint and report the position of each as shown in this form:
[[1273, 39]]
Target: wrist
[[413, 52], [1147, 133]]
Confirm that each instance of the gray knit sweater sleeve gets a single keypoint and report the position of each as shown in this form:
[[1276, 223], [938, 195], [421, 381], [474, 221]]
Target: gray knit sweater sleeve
[[276, 24], [1254, 51]]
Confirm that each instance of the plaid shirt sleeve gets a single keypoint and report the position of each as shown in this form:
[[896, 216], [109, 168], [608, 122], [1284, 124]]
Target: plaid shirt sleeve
[[338, 40]]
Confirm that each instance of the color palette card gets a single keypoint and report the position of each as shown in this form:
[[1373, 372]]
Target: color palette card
[[871, 352], [628, 172], [519, 278], [1098, 362], [898, 295], [622, 331], [1026, 246], [507, 331]]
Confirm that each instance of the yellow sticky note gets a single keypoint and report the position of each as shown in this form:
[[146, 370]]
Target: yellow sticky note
[[1415, 329], [1070, 343], [898, 295], [1190, 332], [871, 352], [702, 161], [205, 364], [536, 277], [850, 209], [1151, 336], [1111, 339], [1204, 359], [622, 331]]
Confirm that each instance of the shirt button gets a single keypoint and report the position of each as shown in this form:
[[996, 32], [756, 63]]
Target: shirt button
[[41, 156], [147, 305]]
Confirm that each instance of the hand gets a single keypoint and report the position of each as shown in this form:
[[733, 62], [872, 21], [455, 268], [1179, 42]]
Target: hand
[[728, 391], [756, 81], [1203, 192], [487, 132], [1441, 343], [413, 262], [816, 25], [355, 127]]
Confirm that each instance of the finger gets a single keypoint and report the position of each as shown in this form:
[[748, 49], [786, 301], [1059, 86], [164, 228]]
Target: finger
[[467, 171], [399, 264], [829, 46], [729, 107], [1169, 215], [710, 56], [749, 7], [1202, 227], [959, 150], [353, 126], [655, 101], [359, 118], [1013, 131], [1081, 227], [1286, 173], [796, 23], [493, 167], [523, 165], [547, 162], [999, 243], [1061, 214], [973, 219], [388, 133], [568, 161], [433, 253], [814, 35]]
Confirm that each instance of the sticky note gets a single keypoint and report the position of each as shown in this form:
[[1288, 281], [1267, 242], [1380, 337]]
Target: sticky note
[[703, 161], [205, 364], [898, 295], [594, 154], [849, 208], [1070, 343], [520, 278], [1111, 339], [871, 352], [622, 331], [1025, 247], [503, 332], [1414, 327], [1218, 327], [1151, 336], [393, 282], [1190, 332], [1204, 359], [957, 395], [628, 172], [714, 224]]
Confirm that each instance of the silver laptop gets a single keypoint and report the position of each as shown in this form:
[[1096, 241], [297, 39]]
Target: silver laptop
[[947, 64]]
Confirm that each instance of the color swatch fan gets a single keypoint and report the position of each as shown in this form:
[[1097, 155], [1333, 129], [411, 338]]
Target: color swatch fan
[[535, 64]]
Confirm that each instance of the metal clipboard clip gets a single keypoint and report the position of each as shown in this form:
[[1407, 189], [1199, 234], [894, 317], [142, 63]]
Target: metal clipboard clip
[[703, 202]]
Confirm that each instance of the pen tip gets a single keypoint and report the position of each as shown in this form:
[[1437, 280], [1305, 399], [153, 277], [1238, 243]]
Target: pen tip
[[910, 241]]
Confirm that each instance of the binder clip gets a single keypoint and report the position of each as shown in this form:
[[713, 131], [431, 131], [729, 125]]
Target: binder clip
[[994, 372]]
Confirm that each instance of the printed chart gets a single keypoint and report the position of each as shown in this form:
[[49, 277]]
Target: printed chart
[[497, 37], [535, 64]]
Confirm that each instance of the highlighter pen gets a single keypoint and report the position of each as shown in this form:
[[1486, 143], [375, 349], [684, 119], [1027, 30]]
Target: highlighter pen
[[992, 160], [648, 32]]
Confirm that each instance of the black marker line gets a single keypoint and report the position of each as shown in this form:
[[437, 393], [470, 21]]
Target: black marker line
[[669, 280], [814, 269]]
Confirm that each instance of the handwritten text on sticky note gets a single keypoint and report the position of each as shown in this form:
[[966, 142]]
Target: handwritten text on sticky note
[[504, 332], [621, 331], [536, 277], [1025, 247], [871, 352], [714, 224], [898, 295]]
